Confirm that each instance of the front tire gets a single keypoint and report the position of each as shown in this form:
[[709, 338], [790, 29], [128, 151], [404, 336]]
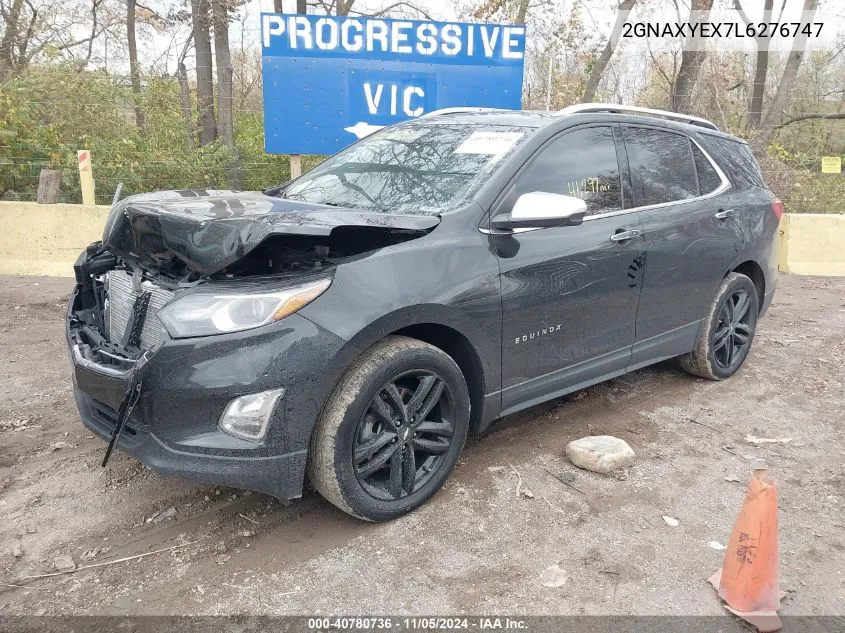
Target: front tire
[[391, 431], [727, 331]]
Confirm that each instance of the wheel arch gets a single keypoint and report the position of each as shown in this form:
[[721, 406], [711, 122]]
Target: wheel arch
[[753, 271], [462, 351], [477, 355]]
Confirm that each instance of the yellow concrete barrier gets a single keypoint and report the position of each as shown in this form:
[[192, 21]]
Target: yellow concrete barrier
[[813, 244], [45, 239]]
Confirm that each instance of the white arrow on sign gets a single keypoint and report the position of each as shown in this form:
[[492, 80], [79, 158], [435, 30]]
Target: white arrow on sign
[[362, 129]]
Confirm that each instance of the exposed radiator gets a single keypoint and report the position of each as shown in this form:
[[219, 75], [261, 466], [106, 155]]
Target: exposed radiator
[[121, 299]]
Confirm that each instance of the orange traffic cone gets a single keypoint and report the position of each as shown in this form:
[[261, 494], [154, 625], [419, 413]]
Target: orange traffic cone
[[748, 580]]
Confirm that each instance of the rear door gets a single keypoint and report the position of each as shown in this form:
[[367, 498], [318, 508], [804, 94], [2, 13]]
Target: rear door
[[690, 238], [569, 294]]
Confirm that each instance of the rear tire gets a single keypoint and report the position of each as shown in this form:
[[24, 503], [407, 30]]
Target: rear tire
[[391, 431], [726, 332]]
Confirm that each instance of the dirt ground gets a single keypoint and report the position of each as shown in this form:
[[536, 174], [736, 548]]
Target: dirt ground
[[476, 548]]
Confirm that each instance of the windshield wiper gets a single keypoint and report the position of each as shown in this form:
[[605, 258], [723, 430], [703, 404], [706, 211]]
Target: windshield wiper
[[276, 191]]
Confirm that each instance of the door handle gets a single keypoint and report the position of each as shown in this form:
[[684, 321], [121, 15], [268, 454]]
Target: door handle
[[624, 236], [724, 213]]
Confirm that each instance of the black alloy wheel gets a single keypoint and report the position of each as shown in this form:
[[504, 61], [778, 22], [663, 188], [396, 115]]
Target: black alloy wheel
[[733, 330], [403, 435], [391, 431], [727, 330]]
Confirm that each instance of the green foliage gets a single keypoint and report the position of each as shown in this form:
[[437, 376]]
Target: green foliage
[[796, 178], [51, 111]]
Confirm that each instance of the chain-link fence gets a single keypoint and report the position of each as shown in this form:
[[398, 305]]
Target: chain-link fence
[[216, 168]]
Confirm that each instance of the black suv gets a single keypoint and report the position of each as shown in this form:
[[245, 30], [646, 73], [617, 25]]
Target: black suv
[[358, 322]]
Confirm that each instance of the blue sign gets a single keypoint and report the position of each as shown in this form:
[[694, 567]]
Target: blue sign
[[331, 80]]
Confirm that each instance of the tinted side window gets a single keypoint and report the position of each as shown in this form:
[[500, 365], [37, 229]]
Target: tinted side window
[[708, 179], [661, 165], [736, 160], [580, 163]]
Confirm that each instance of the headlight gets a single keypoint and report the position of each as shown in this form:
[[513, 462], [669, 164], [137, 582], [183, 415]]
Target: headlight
[[204, 313]]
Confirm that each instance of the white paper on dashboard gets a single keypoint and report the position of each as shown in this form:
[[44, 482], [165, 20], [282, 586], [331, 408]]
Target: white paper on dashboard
[[492, 143]]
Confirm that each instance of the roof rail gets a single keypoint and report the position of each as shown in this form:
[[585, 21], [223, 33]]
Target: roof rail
[[625, 109], [457, 110]]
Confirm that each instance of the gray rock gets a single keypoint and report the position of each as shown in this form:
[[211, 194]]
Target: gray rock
[[164, 516], [600, 453], [17, 550], [567, 477], [553, 576], [89, 554], [671, 521], [63, 562]]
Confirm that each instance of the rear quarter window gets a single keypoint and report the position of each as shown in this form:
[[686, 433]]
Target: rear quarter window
[[708, 178], [662, 165], [736, 160]]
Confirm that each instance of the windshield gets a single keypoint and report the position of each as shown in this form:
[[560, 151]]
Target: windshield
[[414, 168]]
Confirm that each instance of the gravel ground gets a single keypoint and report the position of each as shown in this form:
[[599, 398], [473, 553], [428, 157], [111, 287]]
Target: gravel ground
[[476, 548]]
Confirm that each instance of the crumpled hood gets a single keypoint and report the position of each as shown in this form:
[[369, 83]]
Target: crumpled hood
[[209, 230]]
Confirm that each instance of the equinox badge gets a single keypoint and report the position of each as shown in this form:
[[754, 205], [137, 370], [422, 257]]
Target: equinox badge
[[531, 336]]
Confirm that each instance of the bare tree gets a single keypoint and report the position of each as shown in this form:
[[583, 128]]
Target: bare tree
[[185, 96], [223, 58], [301, 6], [515, 11], [28, 27], [787, 80], [205, 81], [187, 110], [521, 12], [600, 65], [12, 16], [343, 7], [691, 59], [134, 68], [813, 117], [761, 64]]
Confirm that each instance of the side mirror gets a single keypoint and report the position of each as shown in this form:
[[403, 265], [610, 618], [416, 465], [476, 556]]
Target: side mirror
[[539, 209]]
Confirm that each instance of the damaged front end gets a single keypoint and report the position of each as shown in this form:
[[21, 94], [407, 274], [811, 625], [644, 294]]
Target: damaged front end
[[157, 246], [95, 345], [108, 356], [175, 267], [190, 235]]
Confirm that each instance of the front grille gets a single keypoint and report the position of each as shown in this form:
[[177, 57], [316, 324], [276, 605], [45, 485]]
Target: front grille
[[121, 299]]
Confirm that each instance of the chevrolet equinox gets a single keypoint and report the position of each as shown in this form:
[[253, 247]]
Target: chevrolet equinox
[[357, 323]]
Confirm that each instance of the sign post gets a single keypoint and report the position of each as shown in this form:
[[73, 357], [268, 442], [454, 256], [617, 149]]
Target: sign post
[[328, 81], [86, 176], [295, 166]]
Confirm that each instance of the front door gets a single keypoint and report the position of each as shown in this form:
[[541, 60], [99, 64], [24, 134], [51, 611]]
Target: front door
[[569, 294]]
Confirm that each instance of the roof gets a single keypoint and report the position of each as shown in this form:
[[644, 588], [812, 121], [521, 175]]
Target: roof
[[490, 116], [590, 111]]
